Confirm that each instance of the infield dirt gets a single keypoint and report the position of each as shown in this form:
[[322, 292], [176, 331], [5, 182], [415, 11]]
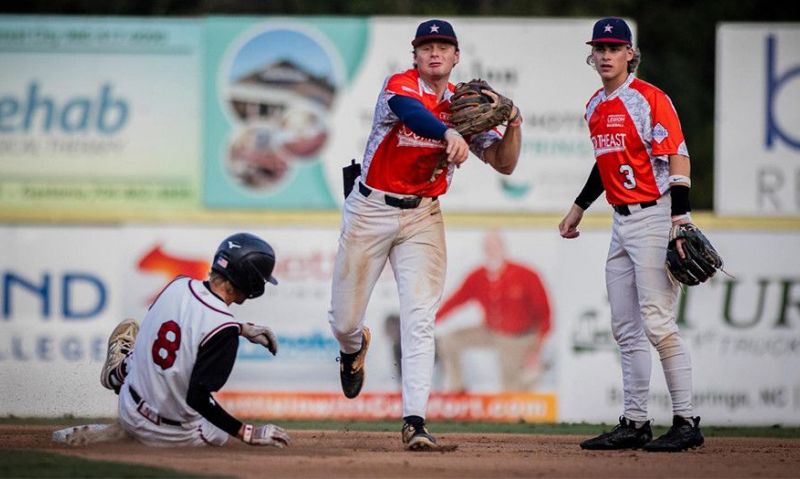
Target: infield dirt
[[357, 454]]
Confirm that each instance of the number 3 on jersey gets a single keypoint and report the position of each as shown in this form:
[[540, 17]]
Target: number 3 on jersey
[[630, 181], [166, 345]]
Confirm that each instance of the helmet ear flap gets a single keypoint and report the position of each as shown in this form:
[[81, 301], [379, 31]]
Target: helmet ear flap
[[257, 271]]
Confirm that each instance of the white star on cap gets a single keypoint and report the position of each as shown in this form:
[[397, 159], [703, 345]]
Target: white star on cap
[[434, 28], [608, 28]]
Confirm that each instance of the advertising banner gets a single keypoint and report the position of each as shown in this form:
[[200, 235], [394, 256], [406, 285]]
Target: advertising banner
[[523, 332], [271, 85], [289, 102], [100, 113], [61, 291], [501, 407], [104, 115], [297, 307], [757, 146], [556, 152], [742, 331], [60, 307]]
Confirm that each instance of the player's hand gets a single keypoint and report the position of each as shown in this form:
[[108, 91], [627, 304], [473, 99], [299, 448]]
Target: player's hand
[[262, 335], [265, 435], [568, 228], [457, 149], [680, 220]]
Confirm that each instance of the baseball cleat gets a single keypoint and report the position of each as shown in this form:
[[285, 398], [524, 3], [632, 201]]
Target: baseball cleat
[[417, 438], [120, 344], [684, 434], [351, 367], [624, 436], [90, 434]]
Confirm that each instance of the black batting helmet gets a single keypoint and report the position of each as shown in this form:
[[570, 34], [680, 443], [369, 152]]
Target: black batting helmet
[[247, 262]]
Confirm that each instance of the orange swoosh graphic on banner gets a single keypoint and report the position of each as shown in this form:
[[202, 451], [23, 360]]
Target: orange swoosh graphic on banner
[[156, 261]]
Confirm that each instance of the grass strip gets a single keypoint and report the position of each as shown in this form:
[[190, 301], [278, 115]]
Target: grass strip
[[33, 463]]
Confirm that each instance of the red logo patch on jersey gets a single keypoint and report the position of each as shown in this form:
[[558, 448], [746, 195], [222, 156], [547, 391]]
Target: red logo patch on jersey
[[615, 121]]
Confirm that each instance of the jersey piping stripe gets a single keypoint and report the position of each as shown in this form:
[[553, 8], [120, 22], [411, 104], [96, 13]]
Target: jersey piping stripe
[[164, 289], [206, 304], [203, 437], [382, 130], [218, 329]]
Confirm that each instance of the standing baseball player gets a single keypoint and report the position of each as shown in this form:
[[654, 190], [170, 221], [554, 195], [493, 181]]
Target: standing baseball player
[[165, 372], [393, 213], [643, 165]]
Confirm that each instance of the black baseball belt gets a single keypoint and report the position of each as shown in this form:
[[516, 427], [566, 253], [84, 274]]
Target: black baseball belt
[[406, 203], [625, 210], [149, 413]]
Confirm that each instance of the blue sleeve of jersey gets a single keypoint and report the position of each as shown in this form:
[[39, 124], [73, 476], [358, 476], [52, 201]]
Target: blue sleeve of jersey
[[418, 118]]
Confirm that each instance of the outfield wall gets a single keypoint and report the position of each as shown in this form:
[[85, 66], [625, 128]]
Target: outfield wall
[[64, 288], [130, 147], [152, 119]]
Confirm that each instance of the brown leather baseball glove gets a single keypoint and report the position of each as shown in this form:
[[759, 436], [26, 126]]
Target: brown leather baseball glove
[[475, 107]]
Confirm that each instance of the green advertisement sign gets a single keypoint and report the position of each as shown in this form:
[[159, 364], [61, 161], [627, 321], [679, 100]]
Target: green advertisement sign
[[99, 114], [271, 86]]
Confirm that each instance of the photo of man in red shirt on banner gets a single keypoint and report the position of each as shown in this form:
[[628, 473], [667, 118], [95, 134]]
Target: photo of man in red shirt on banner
[[516, 319]]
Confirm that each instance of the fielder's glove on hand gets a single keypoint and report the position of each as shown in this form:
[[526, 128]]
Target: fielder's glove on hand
[[265, 435], [262, 335], [701, 259], [474, 111]]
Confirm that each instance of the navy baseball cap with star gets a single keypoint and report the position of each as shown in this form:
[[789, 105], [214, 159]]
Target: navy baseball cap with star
[[611, 30], [434, 30]]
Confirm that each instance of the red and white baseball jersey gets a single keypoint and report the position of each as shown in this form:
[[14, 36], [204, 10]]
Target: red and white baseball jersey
[[184, 317], [398, 160], [633, 131]]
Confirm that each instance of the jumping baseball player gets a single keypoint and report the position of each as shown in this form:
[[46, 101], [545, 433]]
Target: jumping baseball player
[[643, 165], [166, 371], [393, 214]]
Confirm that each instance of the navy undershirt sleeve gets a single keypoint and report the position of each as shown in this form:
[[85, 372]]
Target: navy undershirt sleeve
[[214, 363], [418, 118], [591, 190]]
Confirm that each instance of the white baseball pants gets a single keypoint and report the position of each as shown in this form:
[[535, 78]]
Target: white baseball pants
[[413, 242], [643, 300], [134, 419]]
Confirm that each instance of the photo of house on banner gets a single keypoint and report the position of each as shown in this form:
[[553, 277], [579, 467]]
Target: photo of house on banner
[[283, 107], [269, 119]]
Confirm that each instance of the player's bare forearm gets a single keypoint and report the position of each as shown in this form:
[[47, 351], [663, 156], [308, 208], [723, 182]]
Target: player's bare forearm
[[504, 154], [679, 165], [568, 228]]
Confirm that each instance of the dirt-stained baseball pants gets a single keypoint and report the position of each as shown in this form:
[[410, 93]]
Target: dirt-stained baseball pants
[[413, 242], [643, 300], [137, 419]]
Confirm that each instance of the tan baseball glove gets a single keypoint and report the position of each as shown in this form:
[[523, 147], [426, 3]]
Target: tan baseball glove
[[475, 107]]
